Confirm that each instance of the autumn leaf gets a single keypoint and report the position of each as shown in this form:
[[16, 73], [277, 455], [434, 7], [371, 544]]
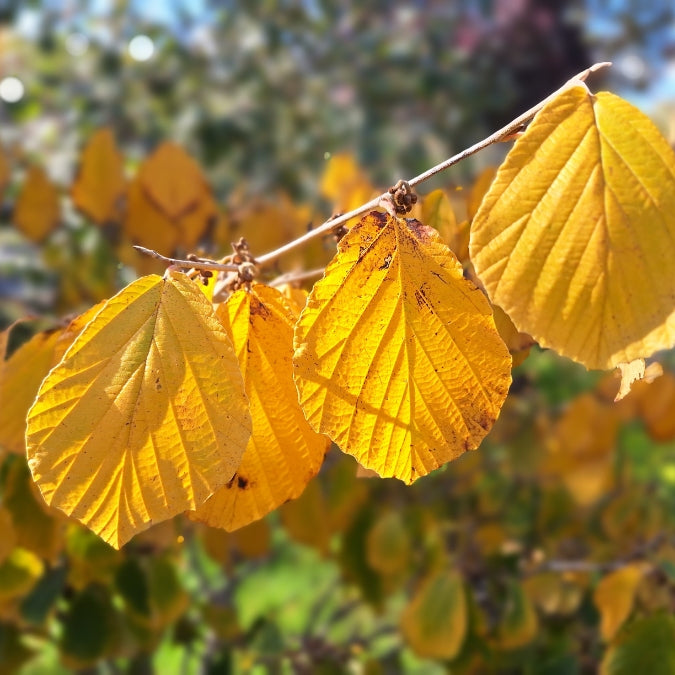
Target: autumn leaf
[[146, 224], [37, 212], [397, 357], [345, 184], [22, 374], [145, 416], [20, 379], [434, 624], [582, 448], [283, 453], [614, 597], [172, 179], [575, 238], [100, 183]]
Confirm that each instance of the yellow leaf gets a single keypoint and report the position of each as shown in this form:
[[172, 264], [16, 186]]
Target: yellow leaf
[[100, 184], [146, 224], [195, 223], [397, 357], [630, 372], [20, 380], [436, 212], [518, 343], [145, 416], [478, 189], [172, 180], [657, 407], [614, 597], [582, 448], [283, 453], [575, 239], [345, 184], [36, 212], [434, 624]]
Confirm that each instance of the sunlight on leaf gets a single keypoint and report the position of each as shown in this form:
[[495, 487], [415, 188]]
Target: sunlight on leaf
[[397, 357], [575, 239], [283, 453], [146, 415]]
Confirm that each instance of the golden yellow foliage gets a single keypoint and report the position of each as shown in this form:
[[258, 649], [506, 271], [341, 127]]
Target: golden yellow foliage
[[37, 211], [172, 180], [630, 373], [478, 189], [20, 380], [656, 406], [146, 224], [582, 448], [435, 622], [575, 238], [614, 597], [283, 453], [436, 211], [397, 357], [345, 184], [100, 184], [145, 416]]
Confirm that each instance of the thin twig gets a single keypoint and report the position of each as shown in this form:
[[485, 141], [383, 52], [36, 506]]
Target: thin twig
[[189, 264], [503, 133], [291, 277]]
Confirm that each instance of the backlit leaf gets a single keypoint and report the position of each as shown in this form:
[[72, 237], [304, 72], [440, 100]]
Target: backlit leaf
[[614, 597], [575, 239], [397, 357], [434, 624], [36, 212], [145, 416], [100, 182], [630, 372], [283, 453]]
